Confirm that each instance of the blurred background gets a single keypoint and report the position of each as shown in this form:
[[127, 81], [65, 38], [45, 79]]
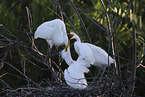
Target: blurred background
[[117, 26]]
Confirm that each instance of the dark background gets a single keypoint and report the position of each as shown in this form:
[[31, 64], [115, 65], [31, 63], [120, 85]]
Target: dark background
[[23, 71]]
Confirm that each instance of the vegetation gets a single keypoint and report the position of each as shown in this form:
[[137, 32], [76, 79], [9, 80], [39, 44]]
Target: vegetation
[[28, 69]]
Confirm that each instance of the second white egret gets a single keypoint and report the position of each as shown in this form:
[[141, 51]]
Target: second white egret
[[97, 53], [84, 52]]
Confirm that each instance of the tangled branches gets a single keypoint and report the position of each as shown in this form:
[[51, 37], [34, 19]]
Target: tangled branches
[[29, 68]]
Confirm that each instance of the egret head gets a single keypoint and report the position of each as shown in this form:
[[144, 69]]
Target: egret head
[[73, 36]]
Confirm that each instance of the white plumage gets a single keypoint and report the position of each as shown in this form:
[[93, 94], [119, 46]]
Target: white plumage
[[84, 52], [88, 54], [100, 55], [97, 54], [74, 75], [54, 32], [66, 55]]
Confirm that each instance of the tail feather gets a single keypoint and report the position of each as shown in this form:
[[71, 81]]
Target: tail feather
[[111, 60]]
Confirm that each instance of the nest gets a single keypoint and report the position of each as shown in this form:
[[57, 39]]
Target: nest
[[94, 89]]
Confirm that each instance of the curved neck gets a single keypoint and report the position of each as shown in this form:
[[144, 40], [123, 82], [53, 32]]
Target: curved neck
[[67, 56], [69, 59], [77, 39]]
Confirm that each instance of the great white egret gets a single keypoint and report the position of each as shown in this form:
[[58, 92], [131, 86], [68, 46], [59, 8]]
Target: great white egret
[[84, 54], [84, 51], [74, 74], [54, 32], [98, 55]]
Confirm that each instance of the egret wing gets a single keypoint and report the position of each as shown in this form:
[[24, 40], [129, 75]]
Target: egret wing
[[101, 56], [84, 52], [45, 31]]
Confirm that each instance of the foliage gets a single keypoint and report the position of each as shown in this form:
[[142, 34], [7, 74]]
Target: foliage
[[29, 69]]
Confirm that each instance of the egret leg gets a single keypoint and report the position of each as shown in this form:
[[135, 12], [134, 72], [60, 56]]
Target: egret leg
[[59, 67], [53, 74]]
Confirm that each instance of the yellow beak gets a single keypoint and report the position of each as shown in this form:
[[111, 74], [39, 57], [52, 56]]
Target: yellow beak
[[70, 34], [68, 44]]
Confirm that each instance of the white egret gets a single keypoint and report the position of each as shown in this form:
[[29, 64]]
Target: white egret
[[84, 51], [95, 52], [88, 54], [74, 74], [84, 54], [54, 32]]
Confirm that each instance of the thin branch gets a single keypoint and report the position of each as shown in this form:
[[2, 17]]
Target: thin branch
[[3, 74], [118, 73], [133, 74], [65, 16], [19, 72], [93, 21], [51, 10], [30, 29], [84, 27]]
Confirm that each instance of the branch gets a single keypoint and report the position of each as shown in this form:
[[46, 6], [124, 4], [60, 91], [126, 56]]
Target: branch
[[85, 29], [20, 72]]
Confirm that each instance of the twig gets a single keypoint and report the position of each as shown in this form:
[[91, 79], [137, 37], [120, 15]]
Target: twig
[[118, 73], [133, 74], [8, 86], [29, 88], [141, 65], [51, 10], [117, 53], [2, 63], [30, 29], [93, 21], [3, 74], [65, 16], [85, 29], [20, 72], [61, 12], [53, 73]]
